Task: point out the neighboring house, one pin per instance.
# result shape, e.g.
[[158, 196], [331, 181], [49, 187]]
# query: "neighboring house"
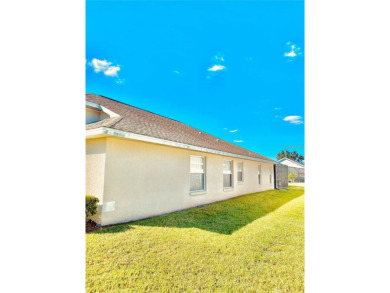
[[294, 167], [140, 164]]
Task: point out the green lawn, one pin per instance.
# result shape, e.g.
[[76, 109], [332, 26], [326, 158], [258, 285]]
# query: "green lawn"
[[253, 243]]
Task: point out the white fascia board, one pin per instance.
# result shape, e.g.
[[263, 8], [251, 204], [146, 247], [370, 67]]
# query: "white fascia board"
[[109, 112], [93, 105], [292, 161], [101, 108], [104, 131]]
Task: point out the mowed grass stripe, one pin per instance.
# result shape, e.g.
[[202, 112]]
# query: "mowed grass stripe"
[[253, 243]]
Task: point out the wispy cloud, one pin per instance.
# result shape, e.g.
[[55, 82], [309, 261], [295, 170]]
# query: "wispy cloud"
[[217, 68], [235, 130], [225, 129], [293, 119], [293, 51], [277, 108], [176, 72], [238, 141], [104, 66], [219, 57], [120, 80]]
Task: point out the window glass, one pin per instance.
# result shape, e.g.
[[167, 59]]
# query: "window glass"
[[239, 172], [197, 181], [227, 174], [197, 174]]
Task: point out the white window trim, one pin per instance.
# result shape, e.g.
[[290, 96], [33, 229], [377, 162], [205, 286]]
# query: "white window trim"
[[199, 191], [242, 172], [231, 173]]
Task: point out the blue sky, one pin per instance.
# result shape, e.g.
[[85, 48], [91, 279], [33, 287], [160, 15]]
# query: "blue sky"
[[232, 69]]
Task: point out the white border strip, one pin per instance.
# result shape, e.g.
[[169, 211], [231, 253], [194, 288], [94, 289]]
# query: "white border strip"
[[104, 131]]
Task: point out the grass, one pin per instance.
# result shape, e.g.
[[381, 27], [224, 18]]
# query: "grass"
[[253, 243]]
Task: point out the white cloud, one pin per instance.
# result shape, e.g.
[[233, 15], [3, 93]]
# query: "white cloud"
[[238, 141], [176, 71], [290, 54], [104, 66], [277, 108], [225, 128], [293, 52], [120, 80], [235, 130], [112, 71], [293, 119], [217, 68]]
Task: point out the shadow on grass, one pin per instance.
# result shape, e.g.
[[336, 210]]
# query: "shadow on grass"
[[227, 216], [114, 229], [223, 217]]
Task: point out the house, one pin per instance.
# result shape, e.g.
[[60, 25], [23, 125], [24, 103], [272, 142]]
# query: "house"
[[294, 167], [140, 164]]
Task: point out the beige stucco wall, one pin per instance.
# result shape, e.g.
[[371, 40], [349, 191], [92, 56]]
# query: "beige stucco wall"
[[95, 168], [144, 179]]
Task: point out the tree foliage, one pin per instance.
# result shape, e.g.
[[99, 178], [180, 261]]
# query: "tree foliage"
[[291, 175], [290, 155]]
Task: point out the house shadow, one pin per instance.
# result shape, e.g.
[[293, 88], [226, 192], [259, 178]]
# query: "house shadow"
[[111, 229], [227, 216]]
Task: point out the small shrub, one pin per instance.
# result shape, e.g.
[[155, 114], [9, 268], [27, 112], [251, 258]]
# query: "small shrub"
[[90, 205]]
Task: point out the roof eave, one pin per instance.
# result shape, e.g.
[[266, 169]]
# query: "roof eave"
[[105, 131], [93, 106], [291, 161]]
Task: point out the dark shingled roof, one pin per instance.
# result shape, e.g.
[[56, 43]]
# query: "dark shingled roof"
[[143, 122]]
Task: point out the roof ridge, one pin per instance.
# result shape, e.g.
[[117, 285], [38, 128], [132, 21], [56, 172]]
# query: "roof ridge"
[[166, 118], [139, 108]]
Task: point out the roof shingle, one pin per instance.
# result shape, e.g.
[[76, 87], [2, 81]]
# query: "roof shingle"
[[143, 122]]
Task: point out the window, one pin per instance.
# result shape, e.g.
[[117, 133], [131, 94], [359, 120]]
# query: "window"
[[240, 177], [227, 174], [259, 174], [197, 174]]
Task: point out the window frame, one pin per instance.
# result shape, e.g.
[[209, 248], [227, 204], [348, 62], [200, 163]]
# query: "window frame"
[[259, 174], [204, 174], [231, 174], [242, 171]]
